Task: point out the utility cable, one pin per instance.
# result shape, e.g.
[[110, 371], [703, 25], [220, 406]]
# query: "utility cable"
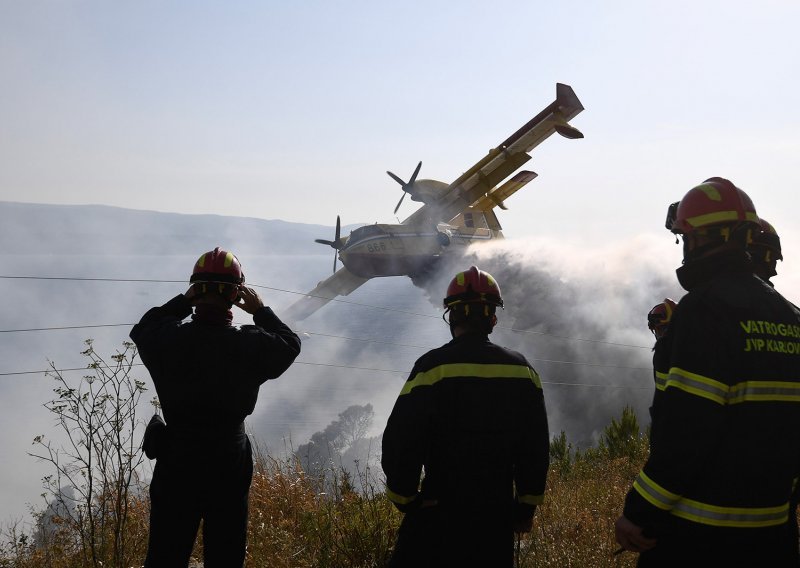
[[630, 367], [363, 340], [66, 327], [512, 329], [372, 369], [142, 364]]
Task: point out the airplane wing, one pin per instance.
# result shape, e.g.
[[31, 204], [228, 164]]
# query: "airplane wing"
[[341, 283], [502, 161], [498, 195]]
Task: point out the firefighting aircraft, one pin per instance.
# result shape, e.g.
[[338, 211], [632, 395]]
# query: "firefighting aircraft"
[[453, 216]]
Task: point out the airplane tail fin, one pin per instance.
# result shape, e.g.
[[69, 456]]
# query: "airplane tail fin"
[[567, 101]]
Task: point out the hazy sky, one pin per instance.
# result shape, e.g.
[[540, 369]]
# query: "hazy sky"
[[294, 110]]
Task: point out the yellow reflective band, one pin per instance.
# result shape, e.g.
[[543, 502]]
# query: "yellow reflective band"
[[399, 499], [745, 391], [704, 513], [713, 218], [711, 192], [531, 499], [228, 260], [201, 262], [460, 278], [762, 391], [471, 370], [740, 517], [697, 385], [661, 380], [654, 493]]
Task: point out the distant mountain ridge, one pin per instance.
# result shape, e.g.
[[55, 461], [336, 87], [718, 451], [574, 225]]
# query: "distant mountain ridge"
[[101, 229]]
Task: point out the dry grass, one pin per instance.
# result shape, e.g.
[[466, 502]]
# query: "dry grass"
[[575, 526], [294, 524]]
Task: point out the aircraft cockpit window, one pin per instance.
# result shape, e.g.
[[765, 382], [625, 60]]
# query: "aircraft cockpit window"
[[370, 230]]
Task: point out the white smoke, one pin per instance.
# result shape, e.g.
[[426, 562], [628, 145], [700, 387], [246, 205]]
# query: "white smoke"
[[579, 313], [576, 310]]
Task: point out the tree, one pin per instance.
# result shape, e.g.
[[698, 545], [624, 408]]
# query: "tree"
[[323, 454], [622, 437], [354, 423], [95, 470]]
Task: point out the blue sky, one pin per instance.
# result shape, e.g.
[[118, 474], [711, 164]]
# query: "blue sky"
[[294, 110]]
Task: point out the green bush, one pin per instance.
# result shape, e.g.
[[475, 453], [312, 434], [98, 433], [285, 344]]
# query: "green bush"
[[622, 437]]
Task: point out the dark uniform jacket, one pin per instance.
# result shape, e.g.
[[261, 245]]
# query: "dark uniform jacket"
[[207, 375], [725, 438], [472, 414]]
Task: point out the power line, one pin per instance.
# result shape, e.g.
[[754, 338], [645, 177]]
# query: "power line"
[[365, 340], [85, 279], [394, 371], [66, 327], [350, 302], [142, 364]]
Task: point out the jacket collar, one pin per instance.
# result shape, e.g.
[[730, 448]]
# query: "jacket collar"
[[471, 337], [705, 269]]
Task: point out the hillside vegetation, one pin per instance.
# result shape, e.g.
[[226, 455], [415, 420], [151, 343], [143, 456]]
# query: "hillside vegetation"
[[293, 524], [98, 508]]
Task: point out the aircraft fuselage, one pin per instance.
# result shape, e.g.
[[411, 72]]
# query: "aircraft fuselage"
[[398, 250]]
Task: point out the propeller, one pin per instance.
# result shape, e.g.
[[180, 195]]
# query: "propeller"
[[335, 244], [407, 187]]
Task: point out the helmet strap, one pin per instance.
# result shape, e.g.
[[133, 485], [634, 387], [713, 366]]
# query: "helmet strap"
[[222, 290], [703, 242], [475, 317]]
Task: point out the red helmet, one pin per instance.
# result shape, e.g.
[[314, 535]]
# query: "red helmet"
[[716, 201], [219, 267], [659, 316], [473, 286]]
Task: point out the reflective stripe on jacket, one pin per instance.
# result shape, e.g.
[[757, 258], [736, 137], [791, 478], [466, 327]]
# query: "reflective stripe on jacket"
[[726, 411], [472, 414]]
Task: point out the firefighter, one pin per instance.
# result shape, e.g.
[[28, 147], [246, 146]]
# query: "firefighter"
[[471, 414], [207, 373], [658, 317], [765, 251], [724, 450]]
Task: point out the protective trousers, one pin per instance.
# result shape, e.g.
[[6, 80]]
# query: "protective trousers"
[[196, 481], [711, 546], [444, 537]]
